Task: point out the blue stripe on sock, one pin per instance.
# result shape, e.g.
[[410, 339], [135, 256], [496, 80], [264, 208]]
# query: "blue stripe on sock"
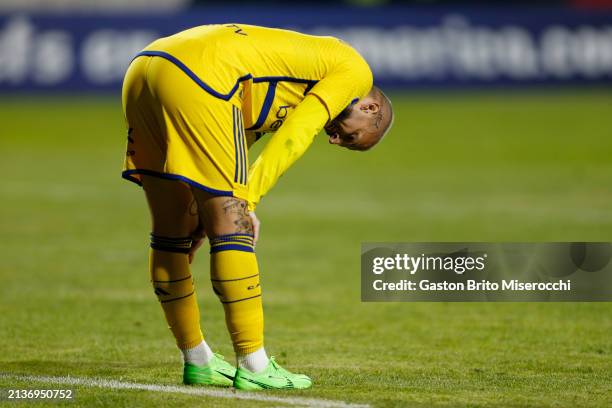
[[248, 241], [231, 247], [231, 239]]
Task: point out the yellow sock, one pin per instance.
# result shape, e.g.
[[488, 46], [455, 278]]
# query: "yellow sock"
[[173, 284], [235, 280]]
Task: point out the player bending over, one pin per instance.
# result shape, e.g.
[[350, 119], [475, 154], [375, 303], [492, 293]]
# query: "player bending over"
[[194, 103]]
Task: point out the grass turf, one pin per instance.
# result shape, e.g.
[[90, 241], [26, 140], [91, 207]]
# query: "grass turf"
[[521, 167]]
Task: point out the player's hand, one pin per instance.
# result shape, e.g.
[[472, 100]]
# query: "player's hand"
[[197, 241], [256, 225]]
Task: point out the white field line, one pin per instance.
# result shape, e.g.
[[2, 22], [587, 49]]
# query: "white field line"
[[209, 392]]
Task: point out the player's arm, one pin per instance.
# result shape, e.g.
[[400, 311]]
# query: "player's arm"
[[350, 79], [286, 146]]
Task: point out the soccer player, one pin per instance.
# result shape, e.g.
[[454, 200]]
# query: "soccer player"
[[194, 103]]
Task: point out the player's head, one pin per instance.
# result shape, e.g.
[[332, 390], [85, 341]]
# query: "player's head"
[[363, 124]]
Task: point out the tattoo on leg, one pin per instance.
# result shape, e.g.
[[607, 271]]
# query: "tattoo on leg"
[[234, 206], [243, 226], [238, 212]]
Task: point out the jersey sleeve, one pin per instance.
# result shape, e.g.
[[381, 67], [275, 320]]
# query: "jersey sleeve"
[[349, 80], [286, 146]]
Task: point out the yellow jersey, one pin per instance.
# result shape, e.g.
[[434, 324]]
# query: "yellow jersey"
[[284, 82]]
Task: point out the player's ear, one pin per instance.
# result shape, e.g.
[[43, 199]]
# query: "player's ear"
[[370, 107]]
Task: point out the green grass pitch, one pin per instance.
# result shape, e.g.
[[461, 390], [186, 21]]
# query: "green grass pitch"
[[76, 298]]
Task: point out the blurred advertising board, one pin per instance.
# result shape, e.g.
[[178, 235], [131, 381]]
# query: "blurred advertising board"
[[406, 47]]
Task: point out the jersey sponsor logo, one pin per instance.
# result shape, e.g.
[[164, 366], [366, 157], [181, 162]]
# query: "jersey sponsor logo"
[[281, 114]]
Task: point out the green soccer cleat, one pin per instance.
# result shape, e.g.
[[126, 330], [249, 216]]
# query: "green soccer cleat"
[[273, 377], [217, 372]]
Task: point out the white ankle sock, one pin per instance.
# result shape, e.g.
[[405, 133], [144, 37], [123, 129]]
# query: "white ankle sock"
[[254, 362], [198, 355]]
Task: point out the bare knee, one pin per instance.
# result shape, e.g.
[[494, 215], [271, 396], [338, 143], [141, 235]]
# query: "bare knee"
[[174, 212]]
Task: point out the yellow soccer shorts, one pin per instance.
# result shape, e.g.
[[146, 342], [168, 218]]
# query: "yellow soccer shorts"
[[179, 131]]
